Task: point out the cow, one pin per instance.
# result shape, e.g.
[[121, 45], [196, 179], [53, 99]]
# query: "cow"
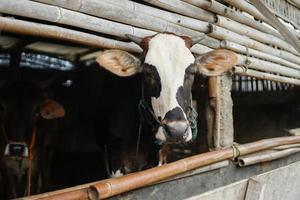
[[167, 69], [22, 105], [111, 103]]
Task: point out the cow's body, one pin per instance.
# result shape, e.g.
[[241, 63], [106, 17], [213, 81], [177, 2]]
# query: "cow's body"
[[22, 103], [112, 104]]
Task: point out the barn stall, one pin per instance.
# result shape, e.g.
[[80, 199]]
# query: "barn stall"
[[257, 100]]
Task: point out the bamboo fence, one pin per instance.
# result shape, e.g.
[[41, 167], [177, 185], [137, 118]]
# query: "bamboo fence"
[[104, 24], [114, 186]]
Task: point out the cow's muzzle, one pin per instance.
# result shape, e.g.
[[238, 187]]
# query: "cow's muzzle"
[[16, 149], [175, 131]]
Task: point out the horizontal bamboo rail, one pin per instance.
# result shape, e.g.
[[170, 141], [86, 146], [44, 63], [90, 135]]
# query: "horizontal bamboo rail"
[[207, 168], [111, 187], [216, 7], [91, 9], [56, 14], [115, 186], [50, 31], [287, 147], [265, 156], [140, 8], [258, 54], [254, 34], [55, 32], [78, 192], [274, 21], [261, 65], [295, 3], [184, 8], [250, 9], [36, 29], [266, 76], [59, 15], [111, 11], [247, 7], [225, 34]]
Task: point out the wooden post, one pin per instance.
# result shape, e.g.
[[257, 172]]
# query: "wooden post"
[[219, 112]]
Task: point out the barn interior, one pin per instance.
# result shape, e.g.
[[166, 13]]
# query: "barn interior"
[[251, 109], [262, 109]]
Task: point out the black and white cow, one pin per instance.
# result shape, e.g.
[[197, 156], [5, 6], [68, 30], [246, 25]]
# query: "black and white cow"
[[21, 106], [168, 68]]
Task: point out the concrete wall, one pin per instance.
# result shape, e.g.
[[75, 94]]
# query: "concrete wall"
[[200, 183], [278, 184]]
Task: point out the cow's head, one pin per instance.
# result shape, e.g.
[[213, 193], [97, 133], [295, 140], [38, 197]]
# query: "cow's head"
[[21, 105], [168, 68]]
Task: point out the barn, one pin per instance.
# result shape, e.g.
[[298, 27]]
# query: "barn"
[[149, 99]]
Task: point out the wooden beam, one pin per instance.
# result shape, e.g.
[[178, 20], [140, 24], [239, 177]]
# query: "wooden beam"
[[219, 112]]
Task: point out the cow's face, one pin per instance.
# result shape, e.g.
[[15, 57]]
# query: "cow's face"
[[21, 105], [168, 70]]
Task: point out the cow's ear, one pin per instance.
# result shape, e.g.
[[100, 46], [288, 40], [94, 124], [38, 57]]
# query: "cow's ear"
[[119, 62], [50, 109], [216, 62]]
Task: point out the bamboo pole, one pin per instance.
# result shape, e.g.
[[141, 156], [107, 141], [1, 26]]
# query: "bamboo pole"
[[93, 42], [296, 3], [73, 4], [109, 10], [261, 65], [56, 32], [115, 186], [247, 7], [36, 29], [184, 8], [265, 156], [287, 147], [112, 12], [224, 34], [266, 76], [59, 15], [288, 36], [136, 180], [200, 170], [140, 8], [237, 16], [200, 49], [254, 34], [250, 9], [175, 18], [71, 193], [258, 54], [80, 192], [49, 31]]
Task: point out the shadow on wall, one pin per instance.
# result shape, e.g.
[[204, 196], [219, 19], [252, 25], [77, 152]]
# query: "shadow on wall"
[[260, 115]]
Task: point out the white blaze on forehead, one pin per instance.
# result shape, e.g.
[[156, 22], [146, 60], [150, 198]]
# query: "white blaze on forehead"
[[169, 55]]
